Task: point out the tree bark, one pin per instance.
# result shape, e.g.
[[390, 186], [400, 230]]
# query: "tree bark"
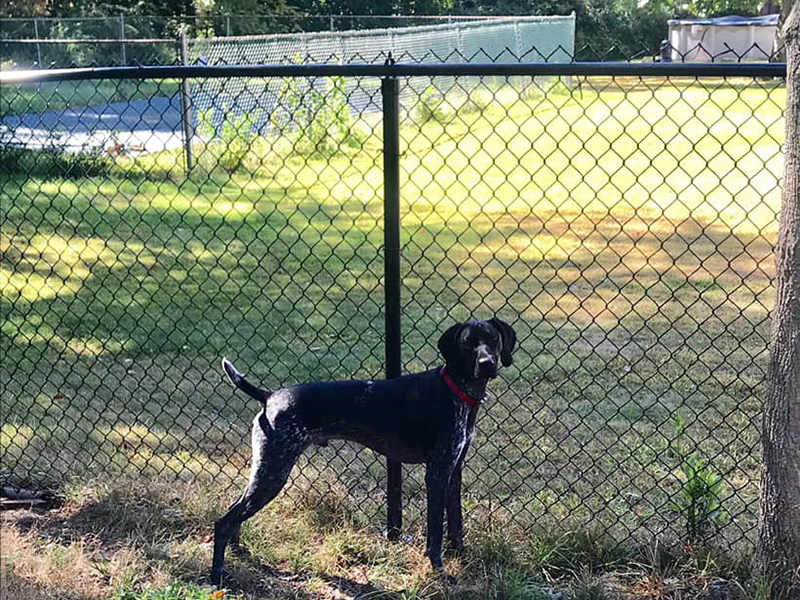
[[778, 552], [779, 51]]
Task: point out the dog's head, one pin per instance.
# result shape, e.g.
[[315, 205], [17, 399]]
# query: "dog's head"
[[473, 349]]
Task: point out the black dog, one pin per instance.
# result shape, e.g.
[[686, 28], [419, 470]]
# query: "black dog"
[[423, 418]]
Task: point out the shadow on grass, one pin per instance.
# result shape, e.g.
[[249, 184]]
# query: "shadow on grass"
[[167, 529], [22, 588]]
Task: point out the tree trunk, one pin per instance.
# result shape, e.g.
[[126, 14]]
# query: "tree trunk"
[[778, 553], [779, 52]]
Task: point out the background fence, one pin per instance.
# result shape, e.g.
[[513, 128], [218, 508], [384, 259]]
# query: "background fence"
[[234, 39], [620, 217]]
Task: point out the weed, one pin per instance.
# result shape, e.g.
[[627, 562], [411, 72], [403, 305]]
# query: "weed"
[[232, 140], [316, 114], [516, 585], [174, 591], [589, 586], [699, 502], [477, 102], [432, 107], [495, 550], [759, 588]]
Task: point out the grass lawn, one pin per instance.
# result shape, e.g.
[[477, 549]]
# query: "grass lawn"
[[624, 228]]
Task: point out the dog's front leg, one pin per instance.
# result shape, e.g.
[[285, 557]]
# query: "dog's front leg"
[[437, 479]]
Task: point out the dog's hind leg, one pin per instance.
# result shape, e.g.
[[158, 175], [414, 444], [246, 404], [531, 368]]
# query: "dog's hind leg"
[[273, 460]]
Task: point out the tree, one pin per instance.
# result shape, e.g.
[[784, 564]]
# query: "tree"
[[779, 54], [778, 552], [720, 8]]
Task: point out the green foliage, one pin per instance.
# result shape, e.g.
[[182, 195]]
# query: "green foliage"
[[432, 107], [699, 501], [54, 162], [230, 142], [315, 114], [373, 7], [174, 591], [516, 585], [717, 8]]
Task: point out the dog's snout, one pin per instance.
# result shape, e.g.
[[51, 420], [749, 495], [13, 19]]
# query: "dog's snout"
[[486, 365]]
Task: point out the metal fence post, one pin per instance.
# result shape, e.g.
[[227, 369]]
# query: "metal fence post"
[[122, 38], [38, 47], [186, 103], [391, 256]]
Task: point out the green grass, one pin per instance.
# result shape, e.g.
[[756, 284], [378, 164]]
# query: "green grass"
[[56, 96], [624, 228]]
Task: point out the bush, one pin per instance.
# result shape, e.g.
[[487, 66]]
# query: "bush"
[[232, 141], [54, 162], [432, 107], [317, 116]]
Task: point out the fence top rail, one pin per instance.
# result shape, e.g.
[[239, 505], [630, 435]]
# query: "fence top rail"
[[295, 16], [777, 69]]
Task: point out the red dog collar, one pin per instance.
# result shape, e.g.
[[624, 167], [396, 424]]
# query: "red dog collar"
[[457, 390]]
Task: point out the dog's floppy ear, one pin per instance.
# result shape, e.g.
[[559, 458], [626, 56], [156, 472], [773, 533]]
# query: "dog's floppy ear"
[[509, 340], [448, 344]]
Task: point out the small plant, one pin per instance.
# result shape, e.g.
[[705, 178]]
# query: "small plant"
[[699, 502], [174, 591], [478, 101], [317, 115], [233, 139], [432, 107], [516, 585]]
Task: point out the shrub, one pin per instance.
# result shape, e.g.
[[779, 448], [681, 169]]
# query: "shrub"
[[231, 141], [54, 162], [432, 107], [316, 116]]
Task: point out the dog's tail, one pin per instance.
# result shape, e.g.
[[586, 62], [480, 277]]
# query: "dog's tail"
[[240, 382]]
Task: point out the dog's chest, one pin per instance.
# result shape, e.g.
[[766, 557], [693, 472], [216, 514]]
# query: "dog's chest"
[[463, 429]]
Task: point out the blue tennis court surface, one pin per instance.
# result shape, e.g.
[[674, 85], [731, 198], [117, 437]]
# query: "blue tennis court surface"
[[146, 125]]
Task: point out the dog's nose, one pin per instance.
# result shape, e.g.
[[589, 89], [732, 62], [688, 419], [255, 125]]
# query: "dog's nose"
[[486, 363]]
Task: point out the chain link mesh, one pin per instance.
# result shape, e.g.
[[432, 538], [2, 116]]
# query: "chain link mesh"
[[623, 225]]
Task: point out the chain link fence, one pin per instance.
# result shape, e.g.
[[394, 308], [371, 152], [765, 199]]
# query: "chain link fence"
[[620, 217], [128, 40], [121, 40]]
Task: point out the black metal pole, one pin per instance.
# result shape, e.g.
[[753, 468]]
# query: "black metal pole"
[[391, 256], [186, 103]]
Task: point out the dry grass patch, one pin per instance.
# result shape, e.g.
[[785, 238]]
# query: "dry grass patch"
[[150, 540]]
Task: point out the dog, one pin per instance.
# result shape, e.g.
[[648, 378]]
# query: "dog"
[[425, 418]]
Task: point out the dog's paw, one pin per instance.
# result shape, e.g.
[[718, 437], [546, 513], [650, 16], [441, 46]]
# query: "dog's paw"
[[222, 578], [456, 547], [445, 577]]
